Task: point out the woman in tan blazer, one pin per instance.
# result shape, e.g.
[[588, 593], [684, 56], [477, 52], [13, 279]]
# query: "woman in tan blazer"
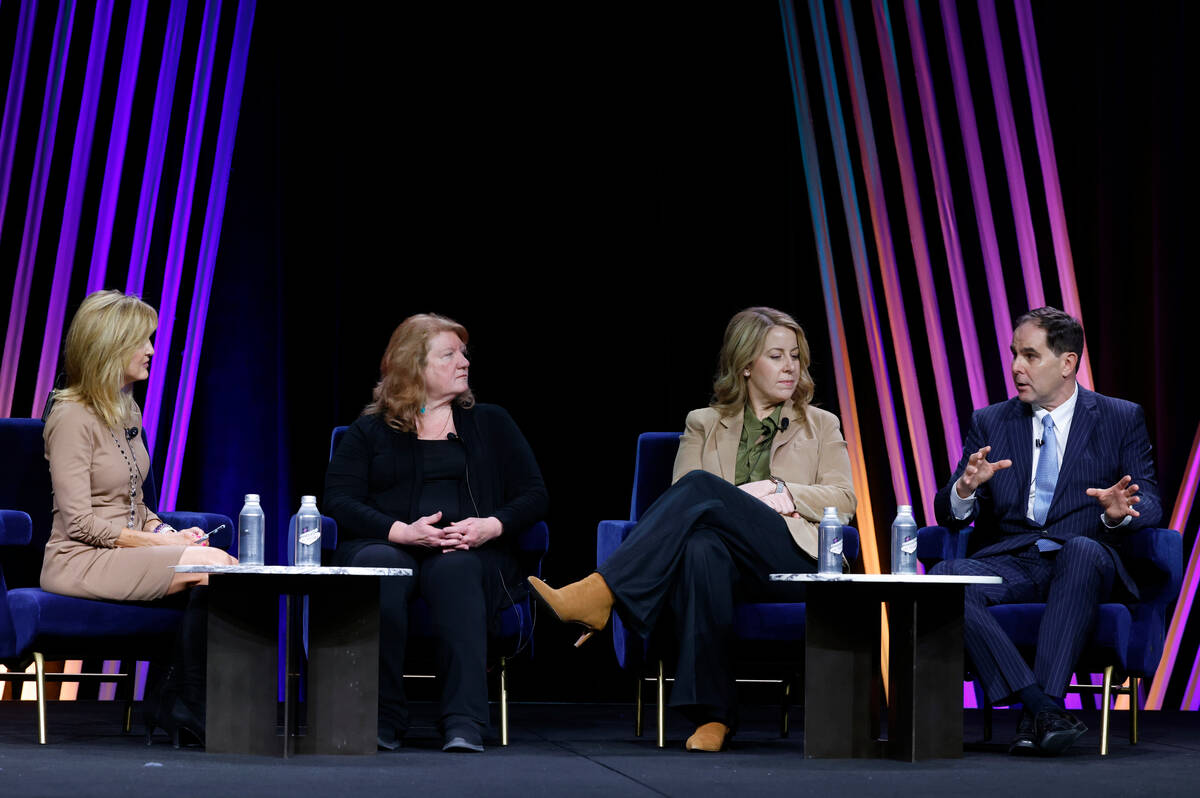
[[753, 474], [105, 543]]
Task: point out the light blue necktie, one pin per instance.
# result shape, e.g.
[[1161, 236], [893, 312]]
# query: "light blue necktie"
[[1047, 472]]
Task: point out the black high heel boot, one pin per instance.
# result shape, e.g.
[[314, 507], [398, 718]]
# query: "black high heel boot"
[[161, 692], [183, 717]]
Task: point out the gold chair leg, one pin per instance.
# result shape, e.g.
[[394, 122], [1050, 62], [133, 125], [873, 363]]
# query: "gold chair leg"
[[638, 707], [128, 725], [787, 702], [39, 669], [503, 701], [1105, 710], [1135, 695], [662, 704]]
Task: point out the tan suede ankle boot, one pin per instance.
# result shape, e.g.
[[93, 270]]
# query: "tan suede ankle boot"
[[587, 602], [708, 737]]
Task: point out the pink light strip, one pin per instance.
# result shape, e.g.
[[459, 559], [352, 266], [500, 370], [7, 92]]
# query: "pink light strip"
[[81, 156], [156, 148], [972, 357], [914, 412], [182, 217], [14, 98], [916, 232], [1011, 147], [1001, 317], [1054, 201], [847, 399], [115, 162], [51, 101], [209, 239], [1191, 696], [858, 249], [1191, 578]]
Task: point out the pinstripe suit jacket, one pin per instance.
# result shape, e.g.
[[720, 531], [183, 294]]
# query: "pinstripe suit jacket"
[[1108, 439]]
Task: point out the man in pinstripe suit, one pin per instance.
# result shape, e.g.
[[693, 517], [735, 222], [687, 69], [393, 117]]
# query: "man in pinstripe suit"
[[1053, 481]]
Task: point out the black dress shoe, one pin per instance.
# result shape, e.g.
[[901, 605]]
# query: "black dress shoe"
[[1056, 730], [1025, 741]]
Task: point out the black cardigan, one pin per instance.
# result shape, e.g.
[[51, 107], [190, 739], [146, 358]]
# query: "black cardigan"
[[374, 478]]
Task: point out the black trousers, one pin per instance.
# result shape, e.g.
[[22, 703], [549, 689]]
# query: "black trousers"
[[465, 591], [702, 545], [1072, 582]]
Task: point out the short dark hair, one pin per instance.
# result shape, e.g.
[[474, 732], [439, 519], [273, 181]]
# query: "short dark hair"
[[1064, 333]]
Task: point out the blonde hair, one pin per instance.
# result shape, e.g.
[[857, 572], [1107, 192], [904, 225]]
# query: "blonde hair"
[[399, 395], [744, 341], [108, 330]]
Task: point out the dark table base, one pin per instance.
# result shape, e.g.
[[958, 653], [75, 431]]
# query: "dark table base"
[[925, 671], [243, 664]]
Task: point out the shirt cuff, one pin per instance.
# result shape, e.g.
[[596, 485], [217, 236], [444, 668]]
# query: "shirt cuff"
[[1104, 520], [960, 507]]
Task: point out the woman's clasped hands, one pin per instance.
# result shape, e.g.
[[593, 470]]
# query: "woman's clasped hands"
[[469, 533]]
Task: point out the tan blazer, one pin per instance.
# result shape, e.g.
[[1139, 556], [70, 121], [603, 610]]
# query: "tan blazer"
[[809, 455]]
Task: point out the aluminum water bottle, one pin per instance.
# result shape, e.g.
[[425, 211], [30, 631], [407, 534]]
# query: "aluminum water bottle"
[[904, 541], [307, 542], [829, 543], [251, 523]]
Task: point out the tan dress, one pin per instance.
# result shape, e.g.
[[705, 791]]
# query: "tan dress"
[[90, 479]]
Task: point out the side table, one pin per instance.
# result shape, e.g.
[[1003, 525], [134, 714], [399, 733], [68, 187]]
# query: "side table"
[[243, 657]]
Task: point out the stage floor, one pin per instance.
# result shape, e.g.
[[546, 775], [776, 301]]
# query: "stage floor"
[[581, 750]]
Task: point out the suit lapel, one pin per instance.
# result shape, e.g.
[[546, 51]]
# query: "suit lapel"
[[728, 436], [784, 437], [1020, 444], [1082, 424]]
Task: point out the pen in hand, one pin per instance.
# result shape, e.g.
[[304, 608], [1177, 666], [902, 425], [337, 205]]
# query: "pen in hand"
[[209, 534]]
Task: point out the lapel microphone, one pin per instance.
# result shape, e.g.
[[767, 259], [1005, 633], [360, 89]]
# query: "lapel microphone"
[[131, 433], [784, 425], [1038, 442]]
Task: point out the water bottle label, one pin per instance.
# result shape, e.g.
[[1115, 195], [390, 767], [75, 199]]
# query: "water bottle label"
[[909, 546], [835, 547], [310, 537]]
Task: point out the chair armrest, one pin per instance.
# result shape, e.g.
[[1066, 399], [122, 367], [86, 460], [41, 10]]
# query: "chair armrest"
[[329, 534], [937, 543], [609, 535], [850, 543], [16, 528], [535, 539], [1154, 557], [225, 539]]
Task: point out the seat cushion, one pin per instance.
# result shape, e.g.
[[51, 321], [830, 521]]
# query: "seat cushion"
[[53, 624]]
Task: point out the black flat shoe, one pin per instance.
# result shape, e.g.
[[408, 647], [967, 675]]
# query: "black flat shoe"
[[463, 739], [389, 739], [1057, 730], [1024, 743]]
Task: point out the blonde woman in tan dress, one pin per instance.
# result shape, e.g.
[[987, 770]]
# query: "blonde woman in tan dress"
[[105, 543]]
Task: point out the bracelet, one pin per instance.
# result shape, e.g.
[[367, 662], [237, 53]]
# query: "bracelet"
[[163, 527]]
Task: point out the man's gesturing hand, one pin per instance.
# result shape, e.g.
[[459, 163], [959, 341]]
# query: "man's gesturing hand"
[[978, 471]]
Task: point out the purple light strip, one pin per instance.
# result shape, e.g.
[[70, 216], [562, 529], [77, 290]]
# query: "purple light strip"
[[847, 400], [181, 219], [13, 99], [156, 148], [1001, 318], [1054, 201], [1191, 695], [36, 203], [972, 357], [916, 231], [858, 249], [1013, 168], [1191, 578], [910, 389], [209, 240], [81, 155], [117, 140]]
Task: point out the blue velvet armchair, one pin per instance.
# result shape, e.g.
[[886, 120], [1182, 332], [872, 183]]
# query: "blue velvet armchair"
[[1128, 639], [757, 625], [516, 621], [36, 626]]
